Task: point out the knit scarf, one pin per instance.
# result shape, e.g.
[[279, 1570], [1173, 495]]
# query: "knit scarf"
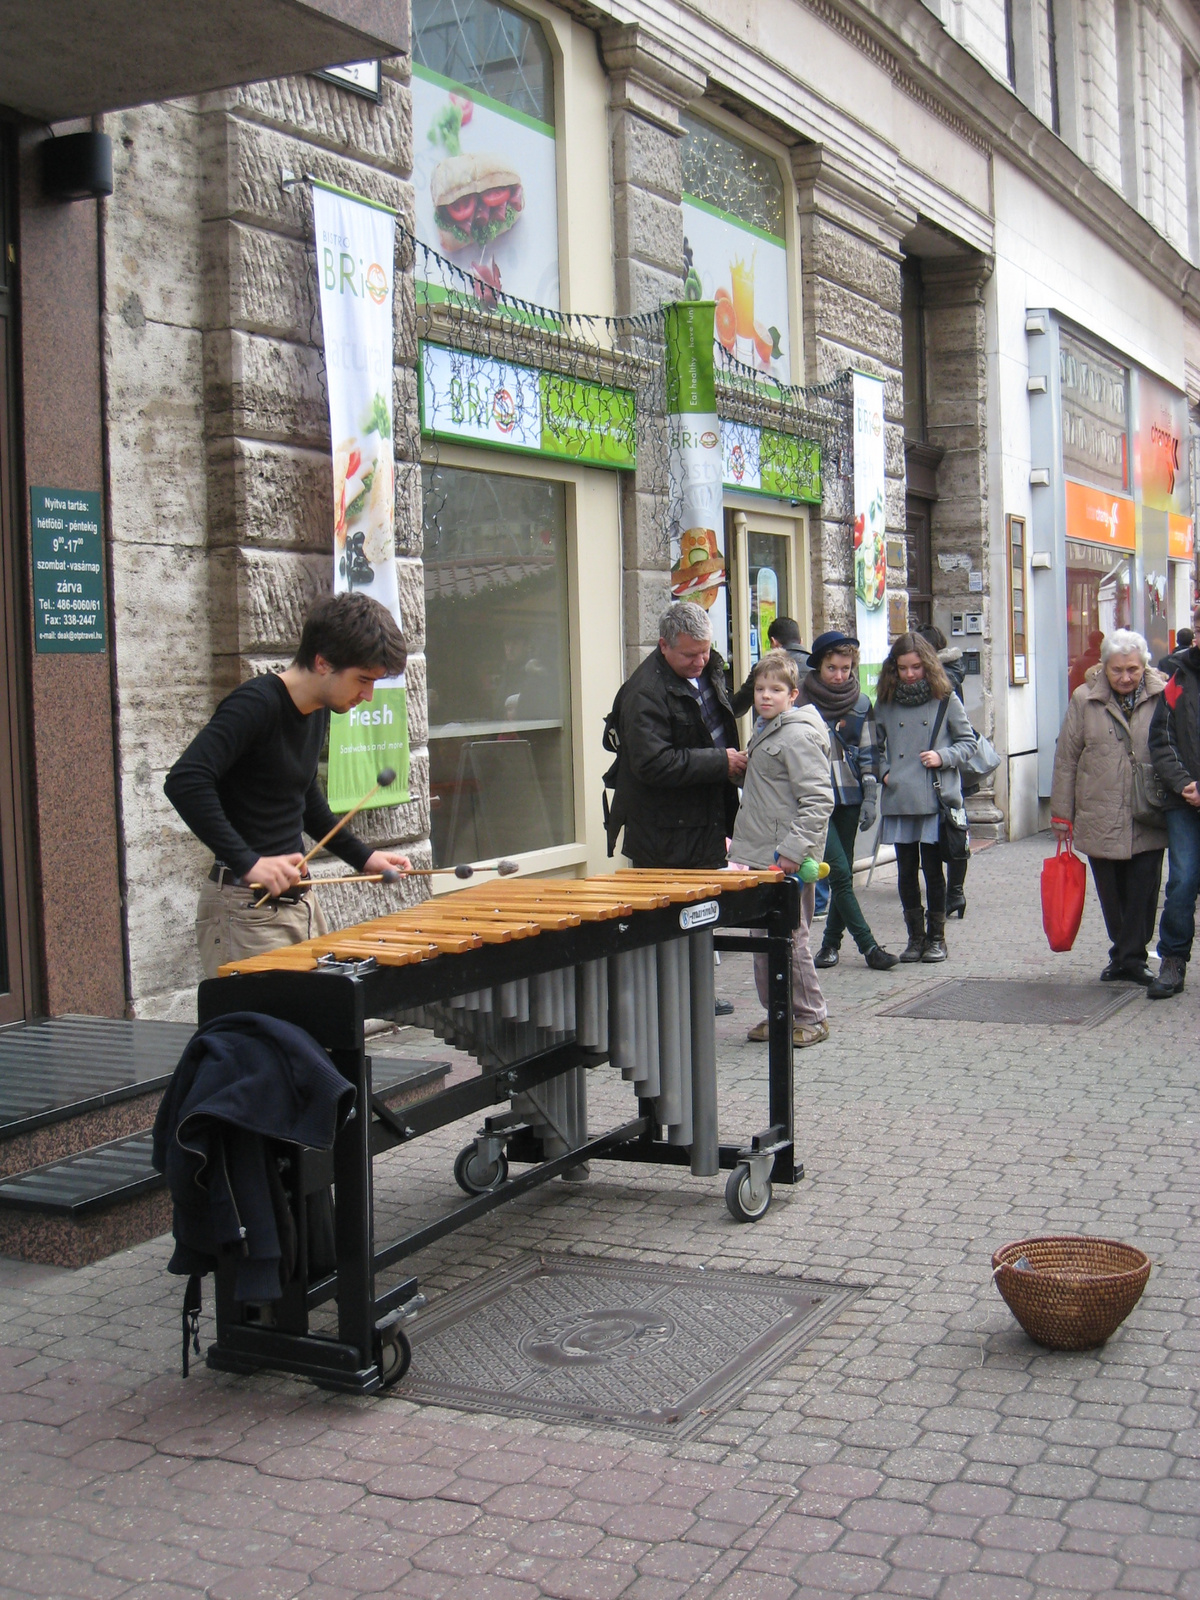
[[831, 700], [912, 694]]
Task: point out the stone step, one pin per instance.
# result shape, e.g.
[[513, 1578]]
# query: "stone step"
[[70, 1083], [84, 1206]]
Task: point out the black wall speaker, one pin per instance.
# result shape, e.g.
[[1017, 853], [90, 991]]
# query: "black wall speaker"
[[78, 166]]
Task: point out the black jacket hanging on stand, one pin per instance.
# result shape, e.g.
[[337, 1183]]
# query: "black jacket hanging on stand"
[[244, 1083]]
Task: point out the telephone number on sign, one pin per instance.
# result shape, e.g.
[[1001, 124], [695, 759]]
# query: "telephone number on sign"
[[90, 606]]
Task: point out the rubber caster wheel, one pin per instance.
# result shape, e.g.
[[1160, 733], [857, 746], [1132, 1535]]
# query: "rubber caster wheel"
[[475, 1176], [742, 1206], [394, 1357]]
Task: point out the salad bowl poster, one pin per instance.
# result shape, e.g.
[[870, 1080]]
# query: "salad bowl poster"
[[870, 525], [697, 523], [743, 270], [485, 177], [355, 242]]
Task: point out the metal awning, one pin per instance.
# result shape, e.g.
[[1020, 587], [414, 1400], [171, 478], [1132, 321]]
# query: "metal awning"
[[74, 58]]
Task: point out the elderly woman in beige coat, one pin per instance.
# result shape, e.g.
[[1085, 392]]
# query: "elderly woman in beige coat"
[[1105, 733]]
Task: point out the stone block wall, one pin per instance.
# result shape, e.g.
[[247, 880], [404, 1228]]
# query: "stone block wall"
[[219, 467], [649, 85], [850, 293]]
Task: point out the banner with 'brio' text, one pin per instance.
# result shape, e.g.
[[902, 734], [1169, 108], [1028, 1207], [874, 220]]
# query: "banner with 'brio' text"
[[695, 464], [355, 241]]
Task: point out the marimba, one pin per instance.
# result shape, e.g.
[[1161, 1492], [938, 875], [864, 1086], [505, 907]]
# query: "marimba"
[[540, 981]]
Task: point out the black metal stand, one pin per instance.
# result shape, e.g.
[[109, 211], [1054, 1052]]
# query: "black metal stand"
[[369, 1350]]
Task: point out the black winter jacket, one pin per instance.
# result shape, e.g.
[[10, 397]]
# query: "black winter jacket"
[[673, 794], [244, 1082], [1175, 729]]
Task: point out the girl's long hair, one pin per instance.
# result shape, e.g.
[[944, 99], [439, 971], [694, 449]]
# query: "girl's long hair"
[[912, 644]]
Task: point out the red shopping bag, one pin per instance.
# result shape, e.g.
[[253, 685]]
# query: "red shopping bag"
[[1064, 880]]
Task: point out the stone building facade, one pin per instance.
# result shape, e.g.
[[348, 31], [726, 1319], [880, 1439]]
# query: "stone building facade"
[[950, 173]]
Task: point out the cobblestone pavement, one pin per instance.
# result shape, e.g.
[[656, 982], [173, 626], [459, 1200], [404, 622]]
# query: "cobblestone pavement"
[[919, 1446]]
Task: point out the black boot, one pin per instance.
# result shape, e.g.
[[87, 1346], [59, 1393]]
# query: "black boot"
[[914, 921], [1171, 973], [826, 956], [935, 940], [879, 959], [956, 876]]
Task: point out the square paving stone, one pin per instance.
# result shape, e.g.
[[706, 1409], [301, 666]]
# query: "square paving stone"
[[658, 1350]]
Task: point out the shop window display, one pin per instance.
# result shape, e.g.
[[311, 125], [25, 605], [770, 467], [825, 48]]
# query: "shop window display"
[[1098, 601], [484, 162], [495, 550], [735, 248]]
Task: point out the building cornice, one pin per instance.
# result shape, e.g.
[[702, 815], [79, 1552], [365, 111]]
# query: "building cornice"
[[907, 42], [944, 72]]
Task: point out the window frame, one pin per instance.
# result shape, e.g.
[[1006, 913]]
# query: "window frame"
[[706, 110], [1013, 521], [595, 652]]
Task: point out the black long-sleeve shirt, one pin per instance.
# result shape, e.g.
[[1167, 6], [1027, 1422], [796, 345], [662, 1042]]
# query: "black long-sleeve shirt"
[[247, 784]]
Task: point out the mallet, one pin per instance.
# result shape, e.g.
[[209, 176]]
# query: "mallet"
[[390, 876], [383, 780]]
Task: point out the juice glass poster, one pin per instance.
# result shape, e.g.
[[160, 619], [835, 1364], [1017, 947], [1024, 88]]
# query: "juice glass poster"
[[485, 179], [743, 270]]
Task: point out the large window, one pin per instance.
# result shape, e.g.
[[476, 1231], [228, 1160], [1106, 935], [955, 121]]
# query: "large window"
[[735, 247], [484, 163], [498, 667]]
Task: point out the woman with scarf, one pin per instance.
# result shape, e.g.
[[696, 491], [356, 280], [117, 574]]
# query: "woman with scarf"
[[924, 732], [1092, 798], [831, 687]]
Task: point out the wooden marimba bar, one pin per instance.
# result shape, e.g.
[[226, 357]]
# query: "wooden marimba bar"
[[541, 981]]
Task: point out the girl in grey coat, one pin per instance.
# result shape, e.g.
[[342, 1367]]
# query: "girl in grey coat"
[[913, 687]]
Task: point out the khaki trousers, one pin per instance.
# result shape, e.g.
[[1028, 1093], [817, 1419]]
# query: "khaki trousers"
[[229, 928], [808, 1003]]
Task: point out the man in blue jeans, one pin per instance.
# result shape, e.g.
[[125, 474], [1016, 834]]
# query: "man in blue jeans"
[[1175, 751]]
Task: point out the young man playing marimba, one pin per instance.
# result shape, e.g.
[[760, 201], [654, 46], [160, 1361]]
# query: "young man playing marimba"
[[247, 784]]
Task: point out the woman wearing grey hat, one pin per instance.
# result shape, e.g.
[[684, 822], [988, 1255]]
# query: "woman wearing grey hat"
[[926, 739], [831, 687]]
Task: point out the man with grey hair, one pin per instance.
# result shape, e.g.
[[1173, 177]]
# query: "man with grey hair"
[[673, 731]]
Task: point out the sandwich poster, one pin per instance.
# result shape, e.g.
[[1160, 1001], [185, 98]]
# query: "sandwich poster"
[[355, 242], [743, 270], [486, 178], [870, 524], [696, 515]]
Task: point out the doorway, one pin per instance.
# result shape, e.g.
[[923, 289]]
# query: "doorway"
[[15, 955], [768, 578]]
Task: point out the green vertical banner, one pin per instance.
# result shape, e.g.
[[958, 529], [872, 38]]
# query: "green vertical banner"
[[696, 466], [355, 263]]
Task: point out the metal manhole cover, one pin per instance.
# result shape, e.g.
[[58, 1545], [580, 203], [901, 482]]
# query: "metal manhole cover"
[[1014, 1000], [655, 1350]]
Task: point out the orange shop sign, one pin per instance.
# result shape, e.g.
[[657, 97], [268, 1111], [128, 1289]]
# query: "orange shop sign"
[[1181, 537], [1098, 517]]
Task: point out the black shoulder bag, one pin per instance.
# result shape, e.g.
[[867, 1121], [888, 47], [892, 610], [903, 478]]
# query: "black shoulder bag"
[[953, 838]]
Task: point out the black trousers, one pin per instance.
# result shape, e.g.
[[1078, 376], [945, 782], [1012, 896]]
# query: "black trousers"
[[1128, 895], [928, 858]]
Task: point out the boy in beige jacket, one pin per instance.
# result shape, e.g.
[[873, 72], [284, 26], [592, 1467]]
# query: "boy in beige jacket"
[[787, 799]]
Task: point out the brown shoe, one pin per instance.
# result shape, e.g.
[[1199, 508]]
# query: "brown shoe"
[[760, 1032], [804, 1034]]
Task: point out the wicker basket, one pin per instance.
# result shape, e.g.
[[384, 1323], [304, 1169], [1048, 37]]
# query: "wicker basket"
[[1076, 1291]]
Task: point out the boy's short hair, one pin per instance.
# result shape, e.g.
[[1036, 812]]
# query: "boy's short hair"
[[352, 630], [780, 665]]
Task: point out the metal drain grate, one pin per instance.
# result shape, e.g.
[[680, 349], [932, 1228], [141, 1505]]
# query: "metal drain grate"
[[655, 1350], [1008, 1001]]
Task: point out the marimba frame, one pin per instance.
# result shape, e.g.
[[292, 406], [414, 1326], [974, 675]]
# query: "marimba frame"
[[370, 1350]]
